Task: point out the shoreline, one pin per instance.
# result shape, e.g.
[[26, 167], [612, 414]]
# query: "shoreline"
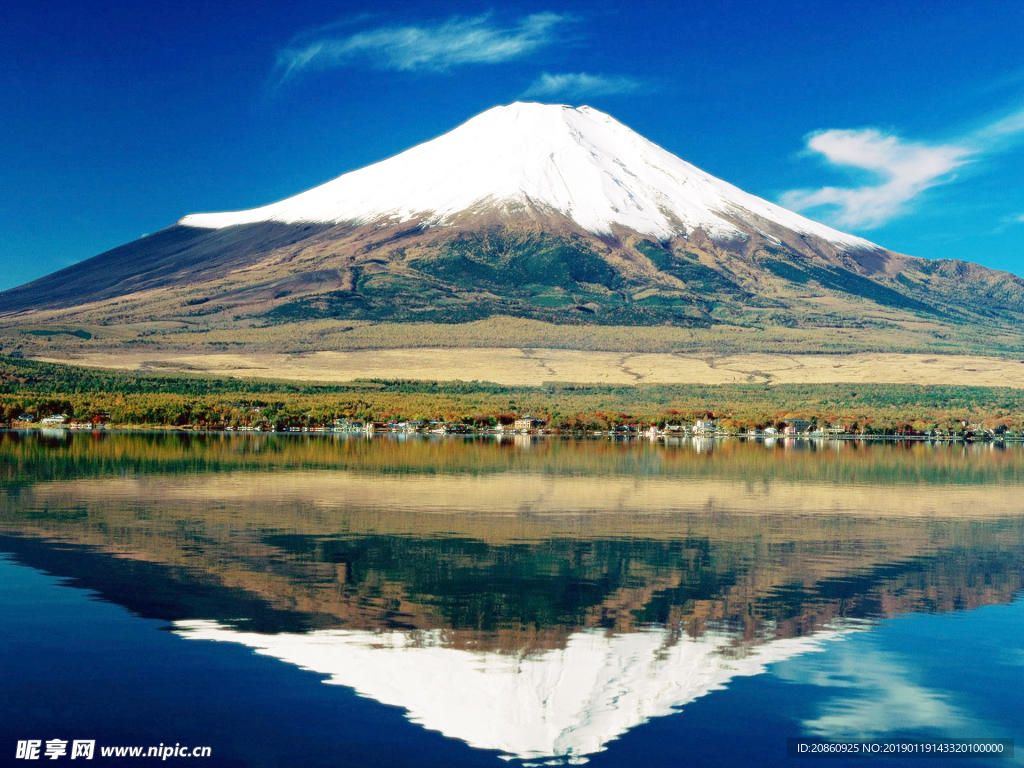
[[534, 435]]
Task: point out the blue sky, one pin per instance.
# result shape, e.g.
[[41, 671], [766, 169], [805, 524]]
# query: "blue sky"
[[902, 122]]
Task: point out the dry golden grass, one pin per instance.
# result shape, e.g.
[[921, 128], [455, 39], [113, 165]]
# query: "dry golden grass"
[[516, 366]]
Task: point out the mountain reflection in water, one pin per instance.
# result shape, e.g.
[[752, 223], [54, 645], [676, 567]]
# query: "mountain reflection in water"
[[567, 702], [539, 602]]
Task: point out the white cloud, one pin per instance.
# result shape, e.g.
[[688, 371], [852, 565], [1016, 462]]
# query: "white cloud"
[[580, 85], [902, 170], [905, 170], [434, 47]]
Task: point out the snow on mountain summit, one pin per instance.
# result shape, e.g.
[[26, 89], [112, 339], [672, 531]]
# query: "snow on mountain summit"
[[578, 162]]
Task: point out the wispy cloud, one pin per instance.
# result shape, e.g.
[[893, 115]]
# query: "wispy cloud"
[[345, 22], [906, 169], [1008, 126], [902, 170], [580, 85], [1006, 222], [434, 47]]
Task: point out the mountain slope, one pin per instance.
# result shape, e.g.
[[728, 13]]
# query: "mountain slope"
[[531, 211], [174, 256]]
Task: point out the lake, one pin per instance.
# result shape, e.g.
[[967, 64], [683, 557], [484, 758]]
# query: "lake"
[[323, 600]]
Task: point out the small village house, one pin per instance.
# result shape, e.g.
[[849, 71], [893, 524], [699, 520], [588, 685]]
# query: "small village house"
[[705, 427], [527, 424]]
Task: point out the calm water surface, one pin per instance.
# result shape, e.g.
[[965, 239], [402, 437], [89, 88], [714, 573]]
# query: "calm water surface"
[[323, 601]]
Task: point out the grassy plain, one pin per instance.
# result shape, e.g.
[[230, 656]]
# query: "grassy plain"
[[519, 366]]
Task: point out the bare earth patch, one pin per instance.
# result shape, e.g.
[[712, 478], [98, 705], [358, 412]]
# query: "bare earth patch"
[[513, 366]]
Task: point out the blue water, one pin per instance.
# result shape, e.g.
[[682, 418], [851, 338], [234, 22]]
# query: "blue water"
[[79, 668], [900, 627]]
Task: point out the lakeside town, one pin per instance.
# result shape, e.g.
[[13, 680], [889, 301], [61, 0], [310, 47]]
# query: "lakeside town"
[[791, 428]]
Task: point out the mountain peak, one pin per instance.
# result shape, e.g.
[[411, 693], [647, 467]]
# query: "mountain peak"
[[576, 162]]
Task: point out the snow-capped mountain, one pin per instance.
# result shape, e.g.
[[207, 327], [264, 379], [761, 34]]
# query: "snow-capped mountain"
[[528, 211], [578, 162]]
